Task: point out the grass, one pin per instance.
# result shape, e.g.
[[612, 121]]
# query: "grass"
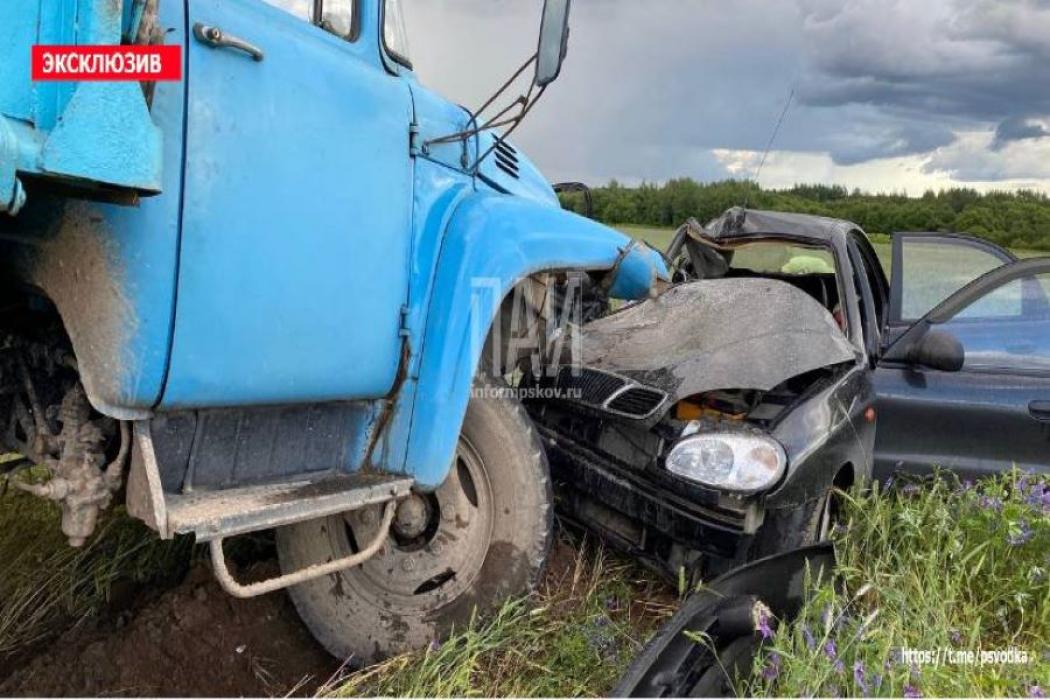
[[935, 567], [573, 638], [939, 569], [655, 236], [46, 585], [939, 566]]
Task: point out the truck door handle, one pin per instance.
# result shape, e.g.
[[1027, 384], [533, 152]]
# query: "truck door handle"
[[1040, 410], [218, 39]]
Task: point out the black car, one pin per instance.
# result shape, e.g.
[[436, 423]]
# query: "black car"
[[711, 424]]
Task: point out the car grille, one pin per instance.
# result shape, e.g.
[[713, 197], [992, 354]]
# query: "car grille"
[[637, 401], [608, 392]]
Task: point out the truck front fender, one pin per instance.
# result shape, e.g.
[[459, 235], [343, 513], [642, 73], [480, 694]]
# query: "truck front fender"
[[492, 242]]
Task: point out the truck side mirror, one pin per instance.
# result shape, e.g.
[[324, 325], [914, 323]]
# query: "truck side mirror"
[[938, 350], [554, 41]]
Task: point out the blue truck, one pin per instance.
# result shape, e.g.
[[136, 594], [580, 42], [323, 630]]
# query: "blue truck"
[[257, 297]]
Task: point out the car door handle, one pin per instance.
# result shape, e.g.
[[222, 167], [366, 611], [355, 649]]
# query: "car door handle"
[[218, 39], [1040, 410]]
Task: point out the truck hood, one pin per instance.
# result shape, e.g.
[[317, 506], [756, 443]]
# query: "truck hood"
[[509, 170], [744, 333]]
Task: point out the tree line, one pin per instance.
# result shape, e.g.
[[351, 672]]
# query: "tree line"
[[1017, 219]]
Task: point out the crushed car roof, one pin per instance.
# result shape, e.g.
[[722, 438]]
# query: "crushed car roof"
[[741, 222]]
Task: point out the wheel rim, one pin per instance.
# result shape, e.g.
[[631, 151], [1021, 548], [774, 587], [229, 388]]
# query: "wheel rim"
[[414, 573]]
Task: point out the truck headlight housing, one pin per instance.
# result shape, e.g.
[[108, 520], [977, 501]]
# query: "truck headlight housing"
[[728, 461]]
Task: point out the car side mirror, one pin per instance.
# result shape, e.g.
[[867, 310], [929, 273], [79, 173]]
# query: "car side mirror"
[[554, 41], [938, 350]]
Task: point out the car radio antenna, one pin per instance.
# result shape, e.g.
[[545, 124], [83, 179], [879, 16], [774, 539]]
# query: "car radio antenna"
[[769, 145]]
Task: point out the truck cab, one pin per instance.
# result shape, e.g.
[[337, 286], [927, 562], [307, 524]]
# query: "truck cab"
[[256, 297]]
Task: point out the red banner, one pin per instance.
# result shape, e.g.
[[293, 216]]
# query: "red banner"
[[107, 63]]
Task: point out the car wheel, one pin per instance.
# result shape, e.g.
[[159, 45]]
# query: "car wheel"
[[481, 537]]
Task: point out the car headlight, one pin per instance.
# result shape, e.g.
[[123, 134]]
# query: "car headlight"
[[733, 462]]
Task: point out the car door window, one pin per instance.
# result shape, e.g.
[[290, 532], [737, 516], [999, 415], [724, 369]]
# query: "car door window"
[[1007, 329], [927, 269]]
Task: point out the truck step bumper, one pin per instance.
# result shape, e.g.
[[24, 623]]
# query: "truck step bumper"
[[214, 514], [211, 515]]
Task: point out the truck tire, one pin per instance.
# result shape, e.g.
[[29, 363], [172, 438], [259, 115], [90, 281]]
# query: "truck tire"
[[481, 537]]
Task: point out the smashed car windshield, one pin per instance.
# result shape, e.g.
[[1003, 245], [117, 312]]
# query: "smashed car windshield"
[[782, 258]]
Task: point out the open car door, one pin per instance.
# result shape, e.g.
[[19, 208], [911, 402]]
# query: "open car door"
[[967, 386]]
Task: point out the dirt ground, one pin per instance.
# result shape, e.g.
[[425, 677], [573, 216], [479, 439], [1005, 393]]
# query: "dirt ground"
[[193, 640]]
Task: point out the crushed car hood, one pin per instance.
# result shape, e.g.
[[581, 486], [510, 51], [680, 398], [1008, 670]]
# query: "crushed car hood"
[[742, 333]]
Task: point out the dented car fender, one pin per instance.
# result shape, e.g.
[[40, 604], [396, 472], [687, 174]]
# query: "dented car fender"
[[829, 437], [492, 242]]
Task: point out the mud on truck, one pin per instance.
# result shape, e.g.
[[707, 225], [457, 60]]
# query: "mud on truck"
[[248, 300]]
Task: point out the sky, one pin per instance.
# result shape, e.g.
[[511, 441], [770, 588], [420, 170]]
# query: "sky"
[[884, 95]]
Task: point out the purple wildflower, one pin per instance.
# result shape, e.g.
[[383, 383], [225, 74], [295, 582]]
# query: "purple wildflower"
[[839, 666], [763, 625], [876, 681], [1034, 691], [955, 636], [1021, 536], [910, 691], [811, 643], [434, 645], [990, 503], [772, 667], [858, 676], [830, 650]]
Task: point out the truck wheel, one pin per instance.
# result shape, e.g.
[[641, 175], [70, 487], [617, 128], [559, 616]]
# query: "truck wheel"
[[481, 537]]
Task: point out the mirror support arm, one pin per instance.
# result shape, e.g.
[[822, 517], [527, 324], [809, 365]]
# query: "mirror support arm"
[[523, 101]]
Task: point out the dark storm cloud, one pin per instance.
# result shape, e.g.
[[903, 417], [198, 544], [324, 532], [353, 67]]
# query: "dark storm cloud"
[[948, 65], [650, 89], [1017, 129]]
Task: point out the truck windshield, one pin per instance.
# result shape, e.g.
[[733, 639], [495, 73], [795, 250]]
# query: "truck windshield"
[[395, 38]]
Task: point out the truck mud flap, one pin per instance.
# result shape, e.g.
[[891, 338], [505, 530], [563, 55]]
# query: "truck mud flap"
[[726, 612]]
